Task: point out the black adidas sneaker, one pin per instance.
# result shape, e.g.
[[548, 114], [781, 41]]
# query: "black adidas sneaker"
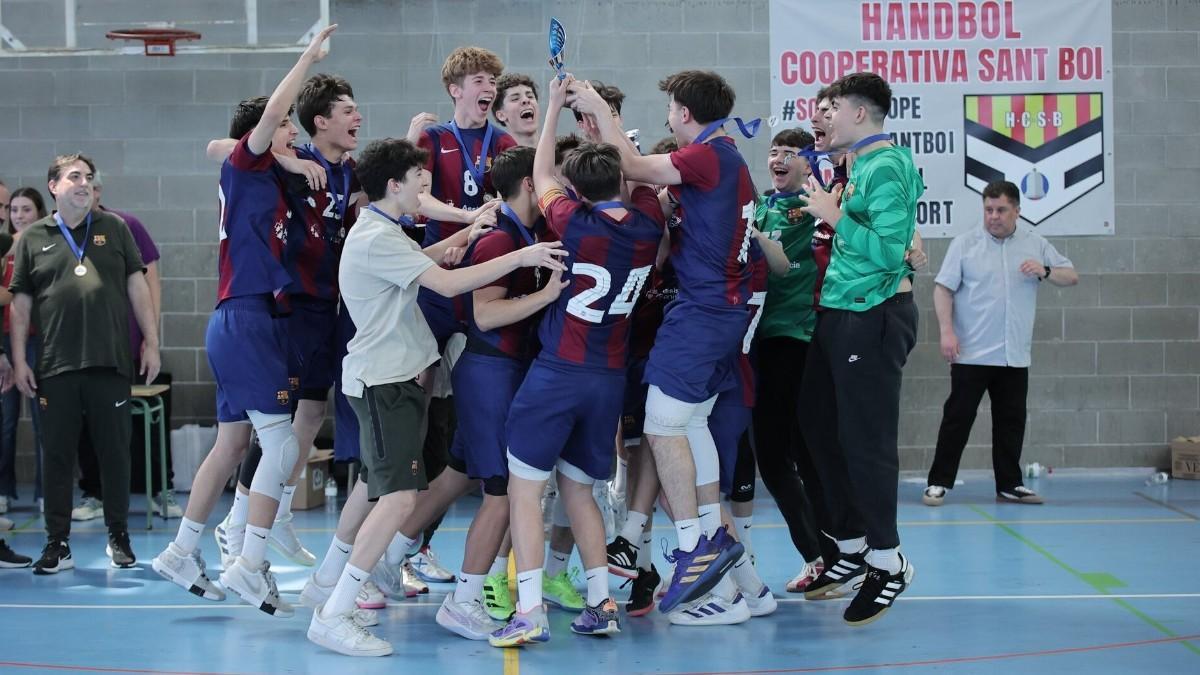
[[829, 585], [878, 592]]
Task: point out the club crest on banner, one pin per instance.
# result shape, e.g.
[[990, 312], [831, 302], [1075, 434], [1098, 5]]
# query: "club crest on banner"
[[1050, 145]]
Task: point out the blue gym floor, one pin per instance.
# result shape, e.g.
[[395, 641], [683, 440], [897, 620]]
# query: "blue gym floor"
[[1100, 579]]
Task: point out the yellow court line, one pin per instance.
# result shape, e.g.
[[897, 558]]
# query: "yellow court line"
[[512, 661]]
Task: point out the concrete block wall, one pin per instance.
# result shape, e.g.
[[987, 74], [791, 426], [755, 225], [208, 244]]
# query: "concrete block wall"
[[1116, 368]]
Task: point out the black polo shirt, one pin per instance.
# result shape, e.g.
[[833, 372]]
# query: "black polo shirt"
[[83, 320]]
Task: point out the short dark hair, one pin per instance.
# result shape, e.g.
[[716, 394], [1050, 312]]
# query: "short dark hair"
[[793, 138], [563, 146], [611, 94], [510, 168], [247, 115], [665, 146], [62, 161], [317, 97], [823, 93], [508, 81], [867, 88], [594, 170], [706, 95], [384, 160], [1002, 188], [33, 195]]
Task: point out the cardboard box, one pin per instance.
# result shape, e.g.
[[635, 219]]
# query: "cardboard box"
[[1185, 458], [310, 491]]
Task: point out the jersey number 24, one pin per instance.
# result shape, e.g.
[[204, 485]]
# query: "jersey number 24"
[[581, 305]]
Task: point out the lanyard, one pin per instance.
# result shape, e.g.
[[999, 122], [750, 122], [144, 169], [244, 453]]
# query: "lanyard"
[[771, 199], [869, 140], [512, 215], [476, 168], [402, 221], [748, 130], [339, 200], [814, 156], [76, 249]]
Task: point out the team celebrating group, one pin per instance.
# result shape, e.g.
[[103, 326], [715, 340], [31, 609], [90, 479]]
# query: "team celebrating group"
[[593, 311]]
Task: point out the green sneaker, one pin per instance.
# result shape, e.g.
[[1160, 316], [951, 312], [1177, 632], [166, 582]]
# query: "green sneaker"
[[496, 598], [559, 590]]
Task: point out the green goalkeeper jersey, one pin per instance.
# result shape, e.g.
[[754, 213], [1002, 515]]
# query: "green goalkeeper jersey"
[[789, 310]]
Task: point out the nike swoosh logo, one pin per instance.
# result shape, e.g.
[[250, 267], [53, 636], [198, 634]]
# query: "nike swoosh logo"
[[47, 248], [521, 581], [356, 579], [194, 530], [686, 527], [446, 151], [258, 535], [118, 405], [344, 550]]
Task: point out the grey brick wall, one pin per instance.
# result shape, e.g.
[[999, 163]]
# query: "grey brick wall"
[[1116, 367]]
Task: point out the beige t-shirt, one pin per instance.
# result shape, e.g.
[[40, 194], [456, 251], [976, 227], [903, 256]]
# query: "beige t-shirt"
[[378, 280]]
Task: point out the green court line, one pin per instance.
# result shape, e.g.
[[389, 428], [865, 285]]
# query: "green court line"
[[1099, 581]]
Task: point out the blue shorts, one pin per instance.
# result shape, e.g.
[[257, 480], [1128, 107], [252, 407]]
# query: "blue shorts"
[[345, 422], [247, 351], [564, 411], [729, 420], [312, 329], [444, 315], [694, 349], [484, 387], [633, 416]]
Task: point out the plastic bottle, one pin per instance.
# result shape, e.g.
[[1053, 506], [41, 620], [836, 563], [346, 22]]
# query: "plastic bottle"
[[331, 493], [1159, 478], [1033, 470]]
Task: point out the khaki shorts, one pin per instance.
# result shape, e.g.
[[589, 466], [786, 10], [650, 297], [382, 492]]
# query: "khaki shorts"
[[390, 419]]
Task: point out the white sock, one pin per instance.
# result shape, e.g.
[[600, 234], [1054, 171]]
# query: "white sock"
[[742, 525], [188, 536], [398, 549], [348, 586], [886, 559], [499, 566], [688, 532], [746, 577], [470, 587], [241, 508], [335, 560], [285, 502], [710, 519], [620, 480], [597, 585], [556, 562], [634, 524], [645, 557], [849, 546], [529, 590], [254, 548]]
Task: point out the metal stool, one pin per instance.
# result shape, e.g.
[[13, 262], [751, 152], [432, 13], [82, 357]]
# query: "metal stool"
[[146, 400]]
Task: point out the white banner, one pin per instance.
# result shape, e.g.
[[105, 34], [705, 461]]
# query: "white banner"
[[983, 90]]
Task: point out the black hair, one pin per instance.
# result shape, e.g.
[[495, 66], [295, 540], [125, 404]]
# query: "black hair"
[[510, 168], [594, 169], [381, 161]]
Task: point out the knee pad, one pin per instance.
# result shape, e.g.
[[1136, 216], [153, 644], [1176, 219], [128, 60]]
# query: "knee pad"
[[665, 415], [279, 453], [704, 448], [569, 470], [496, 486], [522, 470]]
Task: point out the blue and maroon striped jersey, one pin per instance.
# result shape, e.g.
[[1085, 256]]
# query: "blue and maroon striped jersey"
[[711, 246], [609, 260], [744, 370], [315, 246], [253, 226], [453, 182], [517, 340]]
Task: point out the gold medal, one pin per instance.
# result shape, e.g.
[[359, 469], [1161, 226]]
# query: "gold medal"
[[80, 270]]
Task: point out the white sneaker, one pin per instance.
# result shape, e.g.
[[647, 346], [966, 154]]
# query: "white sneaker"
[[3, 505], [284, 540], [934, 495], [186, 571], [413, 586], [711, 610], [173, 508], [763, 603], [89, 508], [468, 619], [229, 541], [5, 524], [343, 635], [314, 595], [370, 597], [388, 581], [807, 575], [425, 564], [256, 587]]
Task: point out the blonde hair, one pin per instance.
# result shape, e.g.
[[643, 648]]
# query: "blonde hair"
[[465, 61]]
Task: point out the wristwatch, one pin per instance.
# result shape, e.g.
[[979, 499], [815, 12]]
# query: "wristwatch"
[[1047, 276]]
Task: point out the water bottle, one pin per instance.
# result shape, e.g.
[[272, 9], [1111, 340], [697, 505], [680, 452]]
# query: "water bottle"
[[1159, 478], [331, 493], [1033, 470]]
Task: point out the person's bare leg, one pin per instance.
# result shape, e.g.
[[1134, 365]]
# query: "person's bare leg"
[[233, 438], [528, 537]]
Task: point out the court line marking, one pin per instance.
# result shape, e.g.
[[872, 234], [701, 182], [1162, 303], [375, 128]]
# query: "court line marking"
[[959, 659], [1165, 505], [1089, 580], [93, 669]]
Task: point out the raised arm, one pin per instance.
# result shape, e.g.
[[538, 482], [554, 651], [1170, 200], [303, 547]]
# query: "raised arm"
[[652, 169], [286, 92]]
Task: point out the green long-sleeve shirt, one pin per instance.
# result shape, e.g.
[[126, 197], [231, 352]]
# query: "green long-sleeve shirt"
[[789, 311]]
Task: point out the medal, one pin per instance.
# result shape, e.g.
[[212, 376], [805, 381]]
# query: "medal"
[[80, 270]]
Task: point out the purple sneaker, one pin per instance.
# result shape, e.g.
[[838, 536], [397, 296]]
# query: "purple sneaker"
[[522, 629], [602, 619], [699, 570]]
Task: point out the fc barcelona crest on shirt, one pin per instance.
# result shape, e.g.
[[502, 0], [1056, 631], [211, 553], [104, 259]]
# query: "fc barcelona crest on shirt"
[[99, 239], [1050, 145], [283, 397]]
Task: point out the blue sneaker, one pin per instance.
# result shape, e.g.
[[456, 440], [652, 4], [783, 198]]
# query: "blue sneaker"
[[699, 570], [522, 629], [602, 619]]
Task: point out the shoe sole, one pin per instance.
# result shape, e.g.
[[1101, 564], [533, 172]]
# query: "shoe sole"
[[15, 566], [622, 572], [457, 628], [832, 591], [308, 560], [433, 578], [370, 605], [1026, 501], [908, 577], [319, 639], [263, 607], [709, 578], [731, 618], [169, 574], [118, 566], [553, 602], [642, 611], [767, 609], [519, 642], [929, 501], [611, 628], [63, 566]]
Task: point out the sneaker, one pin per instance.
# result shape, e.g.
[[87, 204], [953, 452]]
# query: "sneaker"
[[89, 508], [934, 495], [602, 619], [119, 550], [1019, 495], [370, 596], [174, 510], [6, 524], [807, 575], [522, 629], [712, 610], [838, 580], [641, 596], [10, 559], [3, 505], [496, 598], [344, 635], [468, 619], [425, 564], [256, 587], [284, 540], [622, 558], [413, 586], [662, 587], [559, 590], [388, 580], [761, 603], [229, 541], [699, 570], [877, 594], [56, 557], [186, 570], [314, 595]]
